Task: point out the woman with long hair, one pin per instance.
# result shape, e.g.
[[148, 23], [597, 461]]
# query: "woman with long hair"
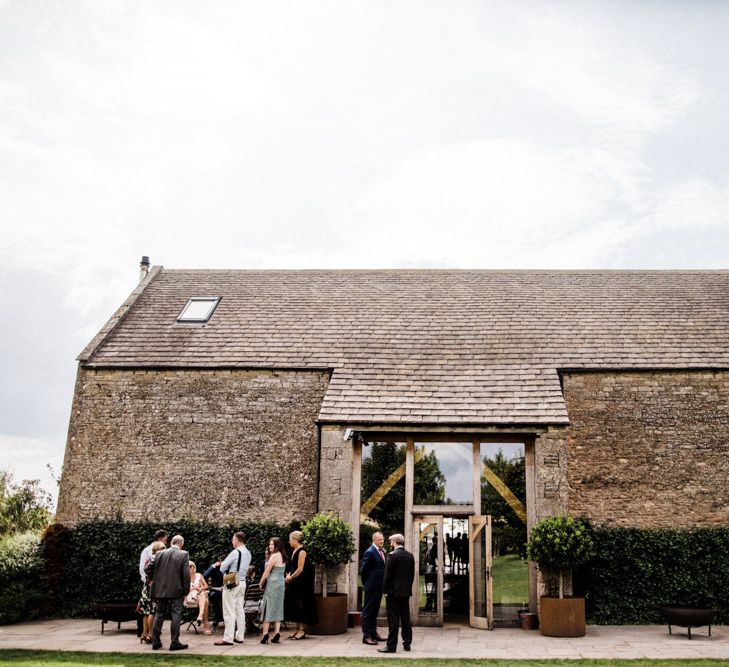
[[273, 596]]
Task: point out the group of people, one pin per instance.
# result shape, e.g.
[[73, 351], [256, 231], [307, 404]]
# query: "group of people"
[[390, 574], [457, 548], [170, 582]]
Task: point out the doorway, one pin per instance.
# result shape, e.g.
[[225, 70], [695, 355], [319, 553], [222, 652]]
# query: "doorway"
[[461, 504]]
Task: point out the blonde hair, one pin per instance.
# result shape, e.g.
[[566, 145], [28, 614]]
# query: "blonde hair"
[[158, 546], [192, 564], [297, 535]]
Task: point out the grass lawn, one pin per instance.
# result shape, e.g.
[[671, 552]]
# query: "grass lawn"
[[511, 580], [66, 659]]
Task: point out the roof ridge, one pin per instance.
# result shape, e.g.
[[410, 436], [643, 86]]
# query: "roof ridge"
[[461, 270], [116, 319]]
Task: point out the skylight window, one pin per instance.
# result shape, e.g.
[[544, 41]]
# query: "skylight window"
[[198, 309]]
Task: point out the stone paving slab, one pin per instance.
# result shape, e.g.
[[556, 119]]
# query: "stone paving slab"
[[601, 641]]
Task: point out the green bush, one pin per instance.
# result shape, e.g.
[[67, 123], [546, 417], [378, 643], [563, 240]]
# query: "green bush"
[[329, 542], [99, 560], [560, 543], [635, 571], [21, 567]]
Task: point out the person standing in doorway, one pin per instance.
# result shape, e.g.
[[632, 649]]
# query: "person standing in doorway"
[[170, 575], [373, 572], [398, 587], [234, 594]]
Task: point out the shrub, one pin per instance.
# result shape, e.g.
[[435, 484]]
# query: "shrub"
[[21, 585], [636, 570], [561, 543], [329, 541], [100, 559]]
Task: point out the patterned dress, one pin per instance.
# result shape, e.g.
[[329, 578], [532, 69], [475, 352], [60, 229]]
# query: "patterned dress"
[[273, 597], [146, 606]]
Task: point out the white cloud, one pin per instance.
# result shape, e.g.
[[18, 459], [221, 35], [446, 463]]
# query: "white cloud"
[[500, 203], [695, 204], [580, 61]]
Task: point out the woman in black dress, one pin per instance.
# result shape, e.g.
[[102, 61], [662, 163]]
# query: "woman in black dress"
[[299, 606]]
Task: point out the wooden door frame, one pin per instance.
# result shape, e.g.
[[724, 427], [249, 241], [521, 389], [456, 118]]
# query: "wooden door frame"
[[419, 618], [477, 524]]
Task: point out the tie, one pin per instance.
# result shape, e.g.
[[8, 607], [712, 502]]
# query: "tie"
[[381, 554]]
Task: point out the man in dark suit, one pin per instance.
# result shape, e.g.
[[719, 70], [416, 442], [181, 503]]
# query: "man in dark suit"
[[398, 587], [170, 575], [373, 572]]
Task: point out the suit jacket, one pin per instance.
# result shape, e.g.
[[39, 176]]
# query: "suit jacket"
[[372, 570], [170, 574], [399, 573]]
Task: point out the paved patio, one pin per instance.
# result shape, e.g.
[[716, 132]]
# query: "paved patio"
[[447, 642]]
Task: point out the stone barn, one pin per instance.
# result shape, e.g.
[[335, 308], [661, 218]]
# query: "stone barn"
[[458, 407]]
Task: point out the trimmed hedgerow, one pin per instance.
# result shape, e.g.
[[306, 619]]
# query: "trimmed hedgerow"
[[635, 571], [99, 560]]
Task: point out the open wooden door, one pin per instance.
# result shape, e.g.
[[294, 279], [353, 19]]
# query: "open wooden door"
[[427, 602], [479, 575]]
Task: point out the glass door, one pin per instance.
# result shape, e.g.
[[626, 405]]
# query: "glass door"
[[480, 573], [428, 552]]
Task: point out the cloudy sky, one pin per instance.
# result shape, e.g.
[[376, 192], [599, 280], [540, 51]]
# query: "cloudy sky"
[[338, 134]]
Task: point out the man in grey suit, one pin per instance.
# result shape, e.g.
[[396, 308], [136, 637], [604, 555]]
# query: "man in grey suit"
[[170, 576]]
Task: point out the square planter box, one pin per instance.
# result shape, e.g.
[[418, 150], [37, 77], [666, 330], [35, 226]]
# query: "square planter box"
[[562, 617]]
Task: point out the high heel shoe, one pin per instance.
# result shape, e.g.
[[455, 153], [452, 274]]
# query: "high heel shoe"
[[276, 638], [264, 639]]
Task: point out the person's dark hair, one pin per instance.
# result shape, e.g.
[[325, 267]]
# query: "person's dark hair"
[[160, 536], [278, 547], [240, 536]]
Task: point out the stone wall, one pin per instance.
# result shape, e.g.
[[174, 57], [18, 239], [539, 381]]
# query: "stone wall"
[[335, 493], [216, 445], [648, 449]]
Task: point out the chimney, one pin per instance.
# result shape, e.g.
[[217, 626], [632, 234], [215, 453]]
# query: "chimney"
[[143, 268]]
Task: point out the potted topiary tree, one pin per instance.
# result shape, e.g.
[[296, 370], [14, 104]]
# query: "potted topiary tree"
[[329, 543], [558, 544]]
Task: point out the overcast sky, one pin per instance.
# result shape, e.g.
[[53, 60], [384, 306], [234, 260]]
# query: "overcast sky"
[[337, 135]]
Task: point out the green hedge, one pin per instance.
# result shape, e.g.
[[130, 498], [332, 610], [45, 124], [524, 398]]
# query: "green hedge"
[[633, 573], [636, 571], [21, 567], [99, 560]]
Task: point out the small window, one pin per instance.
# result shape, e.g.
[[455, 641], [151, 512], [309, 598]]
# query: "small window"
[[198, 309]]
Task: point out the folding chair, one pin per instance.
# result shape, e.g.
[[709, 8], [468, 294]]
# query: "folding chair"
[[189, 617], [252, 606]]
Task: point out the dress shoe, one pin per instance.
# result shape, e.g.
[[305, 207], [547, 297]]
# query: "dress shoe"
[[238, 641], [378, 638], [222, 642], [178, 647], [406, 646], [276, 638], [369, 640], [156, 647], [264, 639], [385, 650]]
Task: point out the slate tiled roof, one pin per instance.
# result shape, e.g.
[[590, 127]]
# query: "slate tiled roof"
[[422, 346]]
